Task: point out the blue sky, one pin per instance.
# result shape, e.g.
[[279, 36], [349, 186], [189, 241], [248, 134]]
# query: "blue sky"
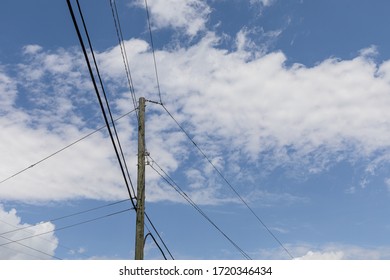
[[288, 99]]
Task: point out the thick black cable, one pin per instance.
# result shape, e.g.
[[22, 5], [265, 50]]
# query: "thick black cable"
[[181, 192], [228, 183], [159, 236], [119, 32], [97, 92], [99, 97], [69, 226], [155, 242], [153, 51], [63, 149], [107, 105]]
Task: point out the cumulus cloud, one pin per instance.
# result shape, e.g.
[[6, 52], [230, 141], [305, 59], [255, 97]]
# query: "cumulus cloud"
[[238, 107], [335, 108], [41, 117], [15, 241]]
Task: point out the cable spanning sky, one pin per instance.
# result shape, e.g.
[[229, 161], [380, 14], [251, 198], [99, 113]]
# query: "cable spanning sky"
[[287, 103]]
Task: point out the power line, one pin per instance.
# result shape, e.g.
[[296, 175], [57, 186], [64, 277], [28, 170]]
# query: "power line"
[[30, 232], [57, 219], [228, 183], [121, 165], [46, 158], [159, 236], [161, 103], [119, 34], [67, 216], [26, 253], [29, 247], [69, 226], [24, 229], [200, 150], [63, 149], [130, 82], [153, 51], [155, 242], [180, 191], [122, 157]]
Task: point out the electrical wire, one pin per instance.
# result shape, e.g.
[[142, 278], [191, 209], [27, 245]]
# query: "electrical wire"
[[119, 32], [63, 217], [67, 216], [57, 219], [126, 64], [123, 168], [29, 232], [68, 226], [63, 149], [29, 247], [228, 183], [153, 51], [180, 191], [122, 157], [26, 253], [47, 240], [121, 165], [200, 150], [155, 241], [159, 236]]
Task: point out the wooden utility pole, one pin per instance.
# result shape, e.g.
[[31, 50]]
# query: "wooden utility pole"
[[139, 232]]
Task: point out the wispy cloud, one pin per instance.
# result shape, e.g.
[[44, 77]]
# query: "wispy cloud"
[[265, 3], [190, 16]]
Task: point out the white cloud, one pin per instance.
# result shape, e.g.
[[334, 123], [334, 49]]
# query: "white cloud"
[[42, 114], [247, 46], [338, 255], [80, 250], [190, 16], [8, 92], [337, 106], [327, 251], [39, 247], [369, 52], [266, 3], [239, 108], [88, 170], [32, 49], [343, 252]]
